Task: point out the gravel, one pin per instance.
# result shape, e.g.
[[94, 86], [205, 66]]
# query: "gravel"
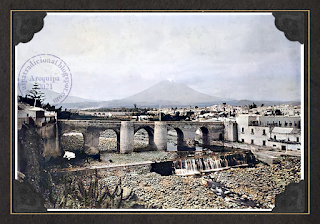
[[259, 184]]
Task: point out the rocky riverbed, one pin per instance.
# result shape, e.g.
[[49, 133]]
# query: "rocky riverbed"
[[259, 185], [254, 187]]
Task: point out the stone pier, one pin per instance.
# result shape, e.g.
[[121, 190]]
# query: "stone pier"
[[160, 135], [126, 137]]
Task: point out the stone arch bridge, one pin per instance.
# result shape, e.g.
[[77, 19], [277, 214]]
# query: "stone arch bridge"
[[157, 131]]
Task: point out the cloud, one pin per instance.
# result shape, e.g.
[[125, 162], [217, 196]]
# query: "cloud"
[[115, 55]]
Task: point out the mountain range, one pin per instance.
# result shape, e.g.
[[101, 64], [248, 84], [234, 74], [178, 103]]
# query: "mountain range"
[[167, 93]]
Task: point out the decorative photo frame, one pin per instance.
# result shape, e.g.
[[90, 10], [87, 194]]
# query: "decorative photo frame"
[[44, 180]]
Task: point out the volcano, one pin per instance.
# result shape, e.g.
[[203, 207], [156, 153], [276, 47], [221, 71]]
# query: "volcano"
[[170, 93]]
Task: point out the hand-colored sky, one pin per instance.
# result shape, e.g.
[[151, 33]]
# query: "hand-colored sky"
[[115, 55]]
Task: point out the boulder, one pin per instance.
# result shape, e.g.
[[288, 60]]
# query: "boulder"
[[126, 192]]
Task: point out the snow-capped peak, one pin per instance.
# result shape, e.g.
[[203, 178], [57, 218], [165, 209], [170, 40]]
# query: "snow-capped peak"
[[171, 80]]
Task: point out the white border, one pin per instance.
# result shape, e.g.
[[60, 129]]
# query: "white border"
[[302, 113], [160, 210], [15, 116], [142, 13]]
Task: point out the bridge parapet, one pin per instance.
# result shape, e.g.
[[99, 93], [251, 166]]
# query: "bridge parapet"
[[90, 122]]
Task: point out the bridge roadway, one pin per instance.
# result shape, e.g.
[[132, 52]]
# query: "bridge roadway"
[[157, 131]]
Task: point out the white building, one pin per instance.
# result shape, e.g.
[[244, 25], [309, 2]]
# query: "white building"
[[285, 138], [36, 115], [281, 132]]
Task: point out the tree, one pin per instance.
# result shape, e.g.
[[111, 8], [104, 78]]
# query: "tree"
[[26, 100], [49, 107], [36, 94], [278, 112], [253, 106]]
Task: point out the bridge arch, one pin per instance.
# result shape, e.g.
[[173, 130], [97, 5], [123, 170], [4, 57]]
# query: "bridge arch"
[[109, 140], [202, 136], [71, 141], [140, 135], [175, 139]]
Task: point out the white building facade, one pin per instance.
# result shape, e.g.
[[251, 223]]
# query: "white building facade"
[[280, 132]]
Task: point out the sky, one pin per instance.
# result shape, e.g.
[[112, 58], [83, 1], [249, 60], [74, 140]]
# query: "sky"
[[115, 55]]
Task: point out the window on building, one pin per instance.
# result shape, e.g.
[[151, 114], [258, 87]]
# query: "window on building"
[[242, 140], [297, 139], [290, 124], [285, 124], [263, 132], [279, 124], [252, 132], [275, 137], [252, 142], [283, 147], [242, 130], [264, 143]]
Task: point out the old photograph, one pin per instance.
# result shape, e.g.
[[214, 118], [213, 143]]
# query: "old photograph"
[[158, 111]]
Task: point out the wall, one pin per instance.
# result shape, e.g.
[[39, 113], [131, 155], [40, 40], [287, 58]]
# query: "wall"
[[49, 133], [109, 171], [257, 136], [278, 145], [230, 131]]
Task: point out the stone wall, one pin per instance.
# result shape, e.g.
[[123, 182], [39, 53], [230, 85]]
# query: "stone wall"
[[231, 132], [119, 171]]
